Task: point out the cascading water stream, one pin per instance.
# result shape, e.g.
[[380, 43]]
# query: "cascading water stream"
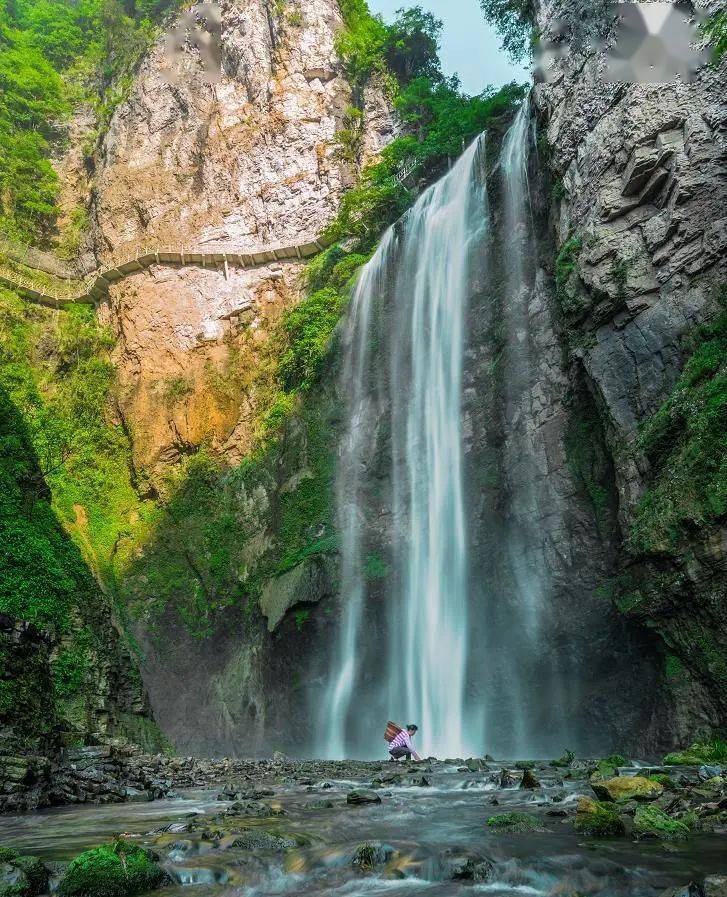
[[463, 637], [412, 297]]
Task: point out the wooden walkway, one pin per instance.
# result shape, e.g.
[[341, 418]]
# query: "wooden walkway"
[[95, 286]]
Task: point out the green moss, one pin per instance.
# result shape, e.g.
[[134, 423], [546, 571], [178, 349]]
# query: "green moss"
[[116, 870], [607, 767], [56, 369], [699, 753], [654, 822], [601, 822], [513, 822], [7, 854]]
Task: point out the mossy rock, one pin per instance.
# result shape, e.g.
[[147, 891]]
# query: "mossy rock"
[[623, 788], [35, 872], [113, 870], [655, 823], [513, 822], [598, 820], [21, 876]]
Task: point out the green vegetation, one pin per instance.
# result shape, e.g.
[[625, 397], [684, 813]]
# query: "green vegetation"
[[653, 822], [27, 876], [566, 272], [440, 121], [514, 21], [712, 752], [120, 869], [57, 371], [607, 767], [520, 823], [685, 443], [566, 760], [54, 56], [588, 461], [715, 32]]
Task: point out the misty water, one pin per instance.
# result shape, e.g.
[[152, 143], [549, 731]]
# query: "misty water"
[[422, 835]]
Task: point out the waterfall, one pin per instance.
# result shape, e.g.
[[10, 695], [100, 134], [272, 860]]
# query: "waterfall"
[[445, 482], [403, 382]]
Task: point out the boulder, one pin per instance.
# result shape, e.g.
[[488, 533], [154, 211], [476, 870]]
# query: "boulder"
[[360, 796], [468, 868], [597, 820], [371, 856], [715, 886], [628, 788], [257, 839], [652, 822]]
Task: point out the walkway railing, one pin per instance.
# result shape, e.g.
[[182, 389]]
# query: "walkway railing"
[[95, 286]]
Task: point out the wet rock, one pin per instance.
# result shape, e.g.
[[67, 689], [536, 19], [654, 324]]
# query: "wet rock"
[[468, 868], [420, 782], [690, 890], [707, 772], [506, 779], [321, 804], [371, 856], [529, 780], [253, 808], [715, 886], [361, 796], [627, 788], [475, 765], [257, 839]]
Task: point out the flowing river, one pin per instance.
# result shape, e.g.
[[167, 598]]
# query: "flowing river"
[[428, 836]]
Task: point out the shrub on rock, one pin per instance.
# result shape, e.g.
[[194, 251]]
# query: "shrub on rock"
[[112, 870]]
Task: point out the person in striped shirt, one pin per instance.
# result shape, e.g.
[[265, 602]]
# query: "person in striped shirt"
[[401, 746]]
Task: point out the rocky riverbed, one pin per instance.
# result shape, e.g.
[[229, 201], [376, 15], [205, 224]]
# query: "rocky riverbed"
[[438, 828]]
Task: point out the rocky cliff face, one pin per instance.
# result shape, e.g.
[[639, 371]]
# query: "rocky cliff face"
[[66, 679], [242, 162], [638, 213]]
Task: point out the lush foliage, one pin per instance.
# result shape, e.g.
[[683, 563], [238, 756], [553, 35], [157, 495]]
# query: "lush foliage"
[[699, 753], [514, 21], [120, 869], [685, 443], [32, 106], [57, 371], [52, 56], [440, 121], [715, 31]]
